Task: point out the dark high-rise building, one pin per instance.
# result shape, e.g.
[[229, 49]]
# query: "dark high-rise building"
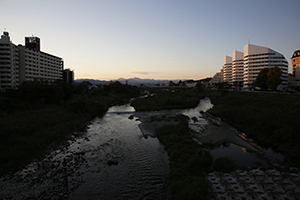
[[68, 76], [26, 63], [32, 43]]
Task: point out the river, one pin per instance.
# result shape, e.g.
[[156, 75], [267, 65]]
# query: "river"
[[110, 160], [115, 159]]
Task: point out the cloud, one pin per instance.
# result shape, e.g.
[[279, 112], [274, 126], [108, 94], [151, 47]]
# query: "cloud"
[[141, 73]]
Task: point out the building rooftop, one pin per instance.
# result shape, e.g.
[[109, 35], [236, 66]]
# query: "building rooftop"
[[296, 54]]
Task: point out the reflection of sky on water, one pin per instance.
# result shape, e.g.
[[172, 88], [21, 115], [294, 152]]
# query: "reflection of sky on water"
[[204, 105], [121, 108], [239, 155]]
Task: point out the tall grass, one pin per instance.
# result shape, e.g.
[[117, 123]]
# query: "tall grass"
[[271, 119], [168, 98], [188, 162], [31, 126]]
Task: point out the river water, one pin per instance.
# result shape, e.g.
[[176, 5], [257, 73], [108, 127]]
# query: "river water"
[[111, 159]]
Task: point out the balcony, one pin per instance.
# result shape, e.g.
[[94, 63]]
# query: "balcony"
[[7, 56]]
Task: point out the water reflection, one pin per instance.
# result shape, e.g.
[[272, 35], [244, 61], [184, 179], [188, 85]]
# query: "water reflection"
[[203, 106], [121, 108], [140, 168], [239, 155], [80, 170]]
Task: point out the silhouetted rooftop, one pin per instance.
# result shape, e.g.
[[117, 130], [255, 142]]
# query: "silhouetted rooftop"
[[296, 54]]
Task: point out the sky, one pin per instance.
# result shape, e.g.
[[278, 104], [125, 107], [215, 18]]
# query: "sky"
[[151, 39]]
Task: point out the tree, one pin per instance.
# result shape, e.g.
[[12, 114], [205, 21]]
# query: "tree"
[[274, 78], [262, 78], [269, 78]]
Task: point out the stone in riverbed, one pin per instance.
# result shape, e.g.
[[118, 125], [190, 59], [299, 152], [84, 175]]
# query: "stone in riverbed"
[[112, 162]]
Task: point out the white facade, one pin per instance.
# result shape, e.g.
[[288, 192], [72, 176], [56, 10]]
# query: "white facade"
[[237, 68], [256, 58], [227, 69], [19, 63], [9, 63]]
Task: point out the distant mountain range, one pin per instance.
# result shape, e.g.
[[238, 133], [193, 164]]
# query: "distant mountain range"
[[136, 81], [133, 81]]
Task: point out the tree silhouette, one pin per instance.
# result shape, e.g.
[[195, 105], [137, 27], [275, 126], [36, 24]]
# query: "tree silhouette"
[[269, 78], [274, 78], [262, 77]]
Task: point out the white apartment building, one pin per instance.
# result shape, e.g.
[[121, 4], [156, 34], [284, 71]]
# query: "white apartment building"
[[256, 58], [227, 69], [9, 63], [237, 68], [243, 67], [26, 63]]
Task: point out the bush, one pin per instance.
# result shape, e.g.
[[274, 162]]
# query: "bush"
[[188, 161]]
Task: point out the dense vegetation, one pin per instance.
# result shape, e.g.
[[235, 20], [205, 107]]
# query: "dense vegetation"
[[188, 162], [169, 98], [39, 115], [272, 119], [269, 78]]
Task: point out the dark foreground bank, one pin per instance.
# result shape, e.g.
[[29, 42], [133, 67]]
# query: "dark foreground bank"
[[39, 116], [271, 119]]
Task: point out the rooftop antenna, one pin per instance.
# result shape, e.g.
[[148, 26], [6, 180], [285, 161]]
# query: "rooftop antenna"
[[248, 41]]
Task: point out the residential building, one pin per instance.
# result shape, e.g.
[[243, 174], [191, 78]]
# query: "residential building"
[[227, 69], [256, 58], [243, 67], [296, 63], [9, 63], [38, 65], [68, 76], [294, 81], [237, 68], [26, 63]]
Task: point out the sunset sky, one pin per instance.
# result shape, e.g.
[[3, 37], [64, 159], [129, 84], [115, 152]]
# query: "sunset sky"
[[159, 39]]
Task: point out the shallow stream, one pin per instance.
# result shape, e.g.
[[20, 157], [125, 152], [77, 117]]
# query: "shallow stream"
[[112, 159]]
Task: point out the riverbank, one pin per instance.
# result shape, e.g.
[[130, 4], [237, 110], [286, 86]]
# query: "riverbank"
[[271, 119], [236, 108], [38, 117], [109, 160]]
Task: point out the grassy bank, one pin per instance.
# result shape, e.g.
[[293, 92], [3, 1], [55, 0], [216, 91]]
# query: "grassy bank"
[[188, 161], [168, 98], [271, 119], [39, 116]]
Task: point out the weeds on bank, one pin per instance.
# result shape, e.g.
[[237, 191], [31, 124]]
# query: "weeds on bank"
[[38, 116], [168, 99], [271, 119], [188, 161]]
